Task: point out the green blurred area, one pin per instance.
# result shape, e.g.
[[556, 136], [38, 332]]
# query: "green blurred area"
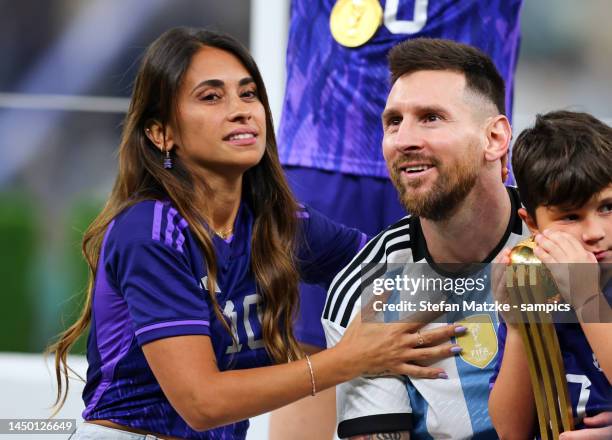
[[43, 283], [79, 217], [18, 241]]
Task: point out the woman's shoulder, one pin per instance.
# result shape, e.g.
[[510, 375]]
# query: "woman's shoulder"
[[150, 221]]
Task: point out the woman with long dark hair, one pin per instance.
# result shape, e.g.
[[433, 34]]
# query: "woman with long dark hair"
[[195, 261]]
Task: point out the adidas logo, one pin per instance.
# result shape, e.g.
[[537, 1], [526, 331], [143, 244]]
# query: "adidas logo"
[[204, 284]]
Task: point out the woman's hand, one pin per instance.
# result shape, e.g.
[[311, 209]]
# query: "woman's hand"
[[377, 349]]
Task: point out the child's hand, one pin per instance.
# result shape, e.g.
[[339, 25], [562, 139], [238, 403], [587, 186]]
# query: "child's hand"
[[561, 247], [498, 282], [597, 427], [574, 269]]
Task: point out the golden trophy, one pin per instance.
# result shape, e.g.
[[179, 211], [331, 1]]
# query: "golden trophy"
[[529, 282]]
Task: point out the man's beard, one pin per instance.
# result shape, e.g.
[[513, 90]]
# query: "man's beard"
[[449, 189]]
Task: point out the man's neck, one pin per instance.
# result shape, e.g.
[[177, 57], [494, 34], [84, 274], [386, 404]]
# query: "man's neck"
[[474, 230]]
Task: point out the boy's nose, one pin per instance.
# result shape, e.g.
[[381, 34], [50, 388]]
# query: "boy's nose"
[[593, 230]]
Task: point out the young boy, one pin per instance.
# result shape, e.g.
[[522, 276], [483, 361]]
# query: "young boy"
[[563, 169]]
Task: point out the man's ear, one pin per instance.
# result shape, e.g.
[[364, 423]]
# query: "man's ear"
[[162, 137], [529, 221], [499, 134]]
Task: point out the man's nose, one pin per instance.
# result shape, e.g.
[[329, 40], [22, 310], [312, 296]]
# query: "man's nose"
[[408, 137]]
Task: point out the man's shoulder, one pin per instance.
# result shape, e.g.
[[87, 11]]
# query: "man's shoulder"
[[393, 244], [389, 239]]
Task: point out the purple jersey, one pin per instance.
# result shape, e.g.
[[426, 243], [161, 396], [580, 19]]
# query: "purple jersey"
[[335, 95], [589, 389], [151, 284]]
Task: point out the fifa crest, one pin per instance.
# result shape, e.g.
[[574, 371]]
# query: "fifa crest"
[[479, 343]]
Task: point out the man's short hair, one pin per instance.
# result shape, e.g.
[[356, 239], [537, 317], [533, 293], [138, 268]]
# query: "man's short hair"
[[480, 72], [563, 160]]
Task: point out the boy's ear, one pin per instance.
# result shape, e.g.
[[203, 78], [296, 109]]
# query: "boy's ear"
[[499, 134], [162, 137], [529, 221]]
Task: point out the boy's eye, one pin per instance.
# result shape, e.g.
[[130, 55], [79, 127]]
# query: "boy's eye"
[[570, 217], [606, 208]]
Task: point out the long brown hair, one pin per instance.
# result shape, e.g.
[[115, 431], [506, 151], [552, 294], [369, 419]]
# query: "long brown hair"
[[142, 177]]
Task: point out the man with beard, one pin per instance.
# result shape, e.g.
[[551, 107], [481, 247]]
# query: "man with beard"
[[445, 143], [329, 135]]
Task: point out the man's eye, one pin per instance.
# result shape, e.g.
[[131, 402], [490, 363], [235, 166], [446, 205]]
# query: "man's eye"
[[394, 121], [432, 117]]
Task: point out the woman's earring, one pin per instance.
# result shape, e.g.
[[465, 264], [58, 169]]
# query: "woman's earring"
[[167, 160]]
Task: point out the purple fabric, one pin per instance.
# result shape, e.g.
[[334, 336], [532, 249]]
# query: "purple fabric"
[[157, 218], [364, 240], [334, 95], [367, 203], [144, 284], [171, 324], [170, 226], [170, 332], [181, 237], [113, 336]]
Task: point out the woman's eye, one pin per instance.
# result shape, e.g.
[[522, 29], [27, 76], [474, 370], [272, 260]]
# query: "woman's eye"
[[249, 94], [210, 97]]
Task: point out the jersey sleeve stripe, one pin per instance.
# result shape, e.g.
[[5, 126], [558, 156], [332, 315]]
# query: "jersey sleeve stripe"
[[171, 324], [181, 237], [351, 274], [364, 255], [382, 268], [351, 280], [170, 226], [157, 219]]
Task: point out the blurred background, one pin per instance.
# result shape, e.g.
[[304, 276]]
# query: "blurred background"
[[65, 78]]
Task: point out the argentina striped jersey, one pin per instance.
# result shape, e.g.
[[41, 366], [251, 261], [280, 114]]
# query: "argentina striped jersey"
[[454, 408]]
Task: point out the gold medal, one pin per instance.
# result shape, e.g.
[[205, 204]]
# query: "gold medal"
[[354, 22]]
